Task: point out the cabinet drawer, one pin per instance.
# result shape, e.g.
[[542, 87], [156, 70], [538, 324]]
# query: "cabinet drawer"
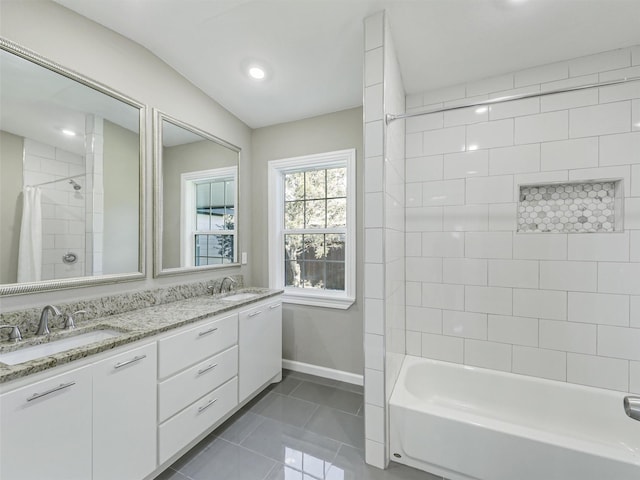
[[182, 350], [177, 432], [184, 388]]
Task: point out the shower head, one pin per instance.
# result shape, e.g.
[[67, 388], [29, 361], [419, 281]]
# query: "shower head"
[[76, 185]]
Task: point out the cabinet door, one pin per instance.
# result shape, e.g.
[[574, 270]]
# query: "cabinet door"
[[46, 429], [124, 415], [260, 344]]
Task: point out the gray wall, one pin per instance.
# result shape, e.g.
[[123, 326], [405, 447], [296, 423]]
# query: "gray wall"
[[121, 183], [191, 157], [320, 336], [101, 54], [10, 204]]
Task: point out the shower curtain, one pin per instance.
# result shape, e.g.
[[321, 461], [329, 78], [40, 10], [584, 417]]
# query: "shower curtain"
[[30, 247]]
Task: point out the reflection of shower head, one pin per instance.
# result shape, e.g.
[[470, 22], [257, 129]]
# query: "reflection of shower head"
[[76, 185]]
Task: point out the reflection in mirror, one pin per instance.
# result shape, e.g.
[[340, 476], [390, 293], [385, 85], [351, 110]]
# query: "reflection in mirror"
[[197, 210], [70, 178]]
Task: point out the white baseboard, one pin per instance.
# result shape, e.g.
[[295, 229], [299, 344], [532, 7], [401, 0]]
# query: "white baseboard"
[[324, 372]]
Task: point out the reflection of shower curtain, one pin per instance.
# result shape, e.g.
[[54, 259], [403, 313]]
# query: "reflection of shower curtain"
[[30, 249]]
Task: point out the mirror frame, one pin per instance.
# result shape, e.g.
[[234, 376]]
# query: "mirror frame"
[[158, 118], [48, 285]]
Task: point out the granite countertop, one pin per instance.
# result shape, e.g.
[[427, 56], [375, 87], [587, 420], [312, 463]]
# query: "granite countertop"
[[134, 325]]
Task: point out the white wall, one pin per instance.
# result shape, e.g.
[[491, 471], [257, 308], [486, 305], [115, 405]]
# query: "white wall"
[[558, 306], [76, 42], [384, 234]]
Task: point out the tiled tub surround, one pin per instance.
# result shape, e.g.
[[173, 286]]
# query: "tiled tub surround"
[[555, 305], [135, 324]]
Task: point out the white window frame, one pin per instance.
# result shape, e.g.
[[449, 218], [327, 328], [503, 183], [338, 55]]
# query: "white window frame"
[[188, 206], [277, 171]]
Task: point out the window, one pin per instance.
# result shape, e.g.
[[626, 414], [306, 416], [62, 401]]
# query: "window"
[[312, 228], [208, 234]]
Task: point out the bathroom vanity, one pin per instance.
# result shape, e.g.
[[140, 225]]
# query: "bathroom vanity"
[[128, 406]]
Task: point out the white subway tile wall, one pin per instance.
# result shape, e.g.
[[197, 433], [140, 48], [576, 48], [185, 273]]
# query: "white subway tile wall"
[[564, 306], [63, 208], [386, 290]]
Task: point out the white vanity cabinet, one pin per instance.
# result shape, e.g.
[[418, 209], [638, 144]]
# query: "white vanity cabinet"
[[124, 415], [198, 384], [260, 345], [127, 414], [46, 429]]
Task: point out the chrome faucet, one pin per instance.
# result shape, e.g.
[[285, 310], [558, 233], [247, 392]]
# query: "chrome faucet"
[[632, 407], [232, 282], [15, 335], [43, 326]]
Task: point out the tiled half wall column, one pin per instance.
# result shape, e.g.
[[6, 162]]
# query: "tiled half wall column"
[[384, 339], [561, 306]]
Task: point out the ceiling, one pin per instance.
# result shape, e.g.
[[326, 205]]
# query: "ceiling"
[[312, 49], [39, 104]]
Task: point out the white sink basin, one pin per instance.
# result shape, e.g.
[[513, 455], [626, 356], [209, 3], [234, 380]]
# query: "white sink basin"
[[239, 297], [45, 349]]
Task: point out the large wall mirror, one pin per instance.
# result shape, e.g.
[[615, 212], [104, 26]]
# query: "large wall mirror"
[[70, 178], [196, 201]]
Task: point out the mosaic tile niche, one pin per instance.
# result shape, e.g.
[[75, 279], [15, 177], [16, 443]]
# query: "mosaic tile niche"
[[577, 207]]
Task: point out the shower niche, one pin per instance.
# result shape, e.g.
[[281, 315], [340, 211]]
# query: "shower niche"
[[594, 206]]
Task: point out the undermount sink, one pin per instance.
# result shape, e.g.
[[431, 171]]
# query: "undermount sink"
[[56, 346], [237, 297]]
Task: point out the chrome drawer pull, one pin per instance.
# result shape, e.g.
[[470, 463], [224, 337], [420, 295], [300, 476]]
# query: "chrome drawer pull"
[[254, 314], [55, 389], [206, 332], [206, 369], [134, 359], [274, 306], [209, 403]]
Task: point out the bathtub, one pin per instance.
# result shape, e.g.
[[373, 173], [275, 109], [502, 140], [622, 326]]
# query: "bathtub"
[[468, 423]]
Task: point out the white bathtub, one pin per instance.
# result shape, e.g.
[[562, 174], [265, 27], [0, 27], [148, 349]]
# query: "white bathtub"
[[472, 423]]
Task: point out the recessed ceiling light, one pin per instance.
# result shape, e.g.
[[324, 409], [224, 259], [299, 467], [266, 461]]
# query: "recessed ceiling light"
[[68, 133], [256, 73]]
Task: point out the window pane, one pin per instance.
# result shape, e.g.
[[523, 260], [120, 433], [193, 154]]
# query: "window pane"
[[294, 186], [294, 215], [203, 207], [313, 247], [315, 184], [337, 212], [217, 219], [202, 221], [337, 182], [335, 275], [202, 195], [229, 220], [224, 245], [315, 214], [313, 274], [217, 195], [213, 249], [292, 252], [335, 247], [230, 193]]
